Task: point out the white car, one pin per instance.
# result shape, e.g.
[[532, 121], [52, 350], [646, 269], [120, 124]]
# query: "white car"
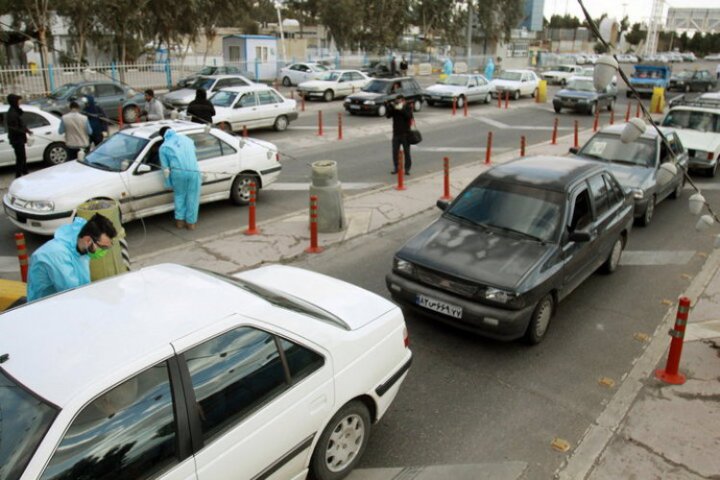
[[296, 73], [126, 168], [180, 99], [460, 88], [334, 84], [172, 373], [256, 106], [517, 82], [48, 144], [561, 74]]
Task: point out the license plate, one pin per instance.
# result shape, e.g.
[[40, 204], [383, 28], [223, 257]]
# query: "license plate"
[[354, 107], [438, 306]]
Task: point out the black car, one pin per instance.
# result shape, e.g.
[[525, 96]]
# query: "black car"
[[515, 242], [580, 95], [374, 97], [377, 70], [692, 81]]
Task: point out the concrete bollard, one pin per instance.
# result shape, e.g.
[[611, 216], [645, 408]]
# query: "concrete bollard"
[[326, 187], [117, 259]]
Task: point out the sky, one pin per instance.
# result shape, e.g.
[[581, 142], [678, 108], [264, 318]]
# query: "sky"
[[637, 10]]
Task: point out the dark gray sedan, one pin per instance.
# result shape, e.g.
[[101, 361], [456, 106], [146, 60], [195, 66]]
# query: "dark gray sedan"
[[515, 242], [108, 95], [580, 95]]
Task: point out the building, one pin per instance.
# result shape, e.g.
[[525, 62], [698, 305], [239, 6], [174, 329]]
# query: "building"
[[692, 20], [533, 20], [257, 54]]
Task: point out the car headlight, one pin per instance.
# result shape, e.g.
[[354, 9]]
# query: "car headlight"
[[497, 295], [403, 266], [637, 193], [369, 102], [40, 205], [348, 100]]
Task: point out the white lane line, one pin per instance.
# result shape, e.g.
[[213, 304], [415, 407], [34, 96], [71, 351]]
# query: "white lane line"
[[505, 126], [509, 470], [657, 257], [288, 186], [458, 149]]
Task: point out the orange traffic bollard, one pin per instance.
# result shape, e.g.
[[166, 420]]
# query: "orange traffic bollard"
[[554, 132], [637, 110], [454, 106], [507, 99], [245, 132], [401, 171], [488, 149], [627, 113], [446, 179], [22, 255], [252, 228], [292, 94], [596, 122], [612, 117], [320, 126], [302, 103], [670, 373], [340, 135], [522, 146], [576, 142], [314, 247], [499, 96], [465, 109], [120, 116]]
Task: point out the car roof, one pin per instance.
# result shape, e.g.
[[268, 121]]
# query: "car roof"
[[545, 171], [223, 75], [4, 107], [150, 129], [394, 79], [650, 132], [246, 88]]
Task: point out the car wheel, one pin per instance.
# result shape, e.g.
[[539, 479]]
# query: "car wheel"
[[488, 98], [557, 108], [678, 189], [381, 111], [55, 154], [417, 106], [563, 82], [286, 82], [708, 88], [540, 320], [460, 102], [649, 212], [328, 96], [131, 114], [710, 172], [534, 94], [516, 95], [281, 123], [592, 109], [240, 190], [613, 259], [225, 127], [342, 443]]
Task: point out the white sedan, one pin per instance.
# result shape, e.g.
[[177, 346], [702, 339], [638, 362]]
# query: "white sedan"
[[517, 82], [296, 73], [48, 144], [171, 373], [126, 168], [334, 84], [460, 88], [256, 106]]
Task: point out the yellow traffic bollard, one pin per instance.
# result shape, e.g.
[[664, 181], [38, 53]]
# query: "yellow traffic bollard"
[[11, 292], [541, 96], [117, 259], [657, 102]]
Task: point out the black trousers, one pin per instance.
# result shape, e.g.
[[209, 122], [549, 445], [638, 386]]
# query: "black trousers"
[[96, 138], [20, 159], [403, 140]]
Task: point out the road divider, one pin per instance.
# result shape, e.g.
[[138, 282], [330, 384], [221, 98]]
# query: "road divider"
[[252, 227]]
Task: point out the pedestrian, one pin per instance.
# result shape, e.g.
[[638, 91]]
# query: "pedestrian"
[[182, 174], [489, 69], [393, 66], [64, 262], [77, 130], [17, 133], [153, 109], [98, 124], [448, 67], [201, 110], [402, 116], [717, 71], [403, 66]]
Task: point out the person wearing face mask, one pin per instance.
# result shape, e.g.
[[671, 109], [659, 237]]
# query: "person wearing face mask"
[[64, 262]]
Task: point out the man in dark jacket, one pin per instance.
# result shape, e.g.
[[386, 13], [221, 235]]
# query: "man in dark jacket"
[[17, 133], [96, 116], [401, 113], [200, 109]]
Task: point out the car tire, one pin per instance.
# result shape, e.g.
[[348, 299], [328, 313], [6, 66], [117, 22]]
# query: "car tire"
[[677, 193], [460, 102], [540, 320], [708, 88], [687, 88], [418, 105], [131, 114], [225, 127], [648, 213], [55, 154], [557, 108], [240, 190], [329, 95], [563, 82], [516, 95], [281, 123], [592, 109], [611, 105], [333, 459], [286, 82], [488, 98], [381, 111], [613, 259], [710, 172]]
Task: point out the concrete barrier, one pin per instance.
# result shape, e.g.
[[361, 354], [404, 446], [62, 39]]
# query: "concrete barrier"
[[461, 67], [424, 69]]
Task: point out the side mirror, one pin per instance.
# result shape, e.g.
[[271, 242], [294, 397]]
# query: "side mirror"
[[442, 204], [574, 150], [143, 168], [579, 237]]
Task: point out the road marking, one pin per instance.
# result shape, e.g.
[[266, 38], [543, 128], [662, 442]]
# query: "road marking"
[[505, 126], [511, 470], [9, 264], [705, 186], [656, 257], [287, 186], [459, 149]]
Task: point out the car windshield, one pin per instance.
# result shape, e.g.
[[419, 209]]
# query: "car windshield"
[[377, 87], [331, 76], [684, 74], [207, 71], [693, 120], [117, 153], [203, 82], [63, 92], [516, 76], [223, 99], [529, 212], [456, 80], [24, 420], [563, 68], [319, 68], [610, 148], [581, 85]]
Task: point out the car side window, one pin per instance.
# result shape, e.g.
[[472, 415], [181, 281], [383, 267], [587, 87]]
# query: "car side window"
[[615, 193], [127, 432], [106, 90], [237, 82], [301, 361], [206, 146], [152, 157], [676, 144], [247, 100], [232, 375], [599, 192], [267, 97], [33, 120], [480, 81], [85, 90], [581, 213]]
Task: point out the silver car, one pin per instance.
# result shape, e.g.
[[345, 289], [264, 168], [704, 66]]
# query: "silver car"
[[108, 95], [460, 88], [180, 99]]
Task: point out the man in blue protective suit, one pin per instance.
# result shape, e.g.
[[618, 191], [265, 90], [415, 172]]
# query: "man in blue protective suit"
[[64, 262], [489, 69], [182, 174]]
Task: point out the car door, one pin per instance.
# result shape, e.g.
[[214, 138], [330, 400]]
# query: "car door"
[[344, 86], [42, 131], [146, 184], [260, 399], [579, 257], [605, 224], [482, 87], [269, 107], [109, 96], [245, 112], [218, 162]]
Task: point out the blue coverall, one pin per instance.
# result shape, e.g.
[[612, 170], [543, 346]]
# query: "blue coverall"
[[489, 69], [57, 265], [177, 154]]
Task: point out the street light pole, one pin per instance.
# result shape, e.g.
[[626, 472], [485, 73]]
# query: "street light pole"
[[469, 33], [278, 6]]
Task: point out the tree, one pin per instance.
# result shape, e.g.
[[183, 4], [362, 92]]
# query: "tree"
[[82, 19], [636, 35], [564, 21], [439, 18], [496, 18]]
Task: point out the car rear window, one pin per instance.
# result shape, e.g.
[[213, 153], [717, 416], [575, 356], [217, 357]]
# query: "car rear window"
[[24, 420], [377, 87]]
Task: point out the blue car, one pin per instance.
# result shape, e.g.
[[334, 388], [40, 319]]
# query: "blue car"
[[647, 77], [580, 95]]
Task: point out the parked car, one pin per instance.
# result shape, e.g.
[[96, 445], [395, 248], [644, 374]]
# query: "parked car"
[[646, 77], [460, 88], [256, 106], [561, 74], [108, 95], [174, 373], [373, 99], [297, 73], [517, 82], [692, 81], [126, 168], [377, 69], [334, 84], [697, 122], [209, 70], [580, 95], [48, 145], [515, 242], [636, 165]]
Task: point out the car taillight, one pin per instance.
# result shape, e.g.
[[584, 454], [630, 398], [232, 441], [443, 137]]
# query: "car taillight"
[[406, 337], [277, 157]]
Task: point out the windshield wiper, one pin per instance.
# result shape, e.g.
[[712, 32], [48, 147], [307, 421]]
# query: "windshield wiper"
[[467, 220], [592, 155], [518, 232], [627, 162], [101, 166]]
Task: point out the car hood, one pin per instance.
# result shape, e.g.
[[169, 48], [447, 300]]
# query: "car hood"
[[52, 183], [317, 84], [478, 255], [184, 95], [576, 94], [694, 140], [632, 176], [354, 305], [367, 95], [446, 89]]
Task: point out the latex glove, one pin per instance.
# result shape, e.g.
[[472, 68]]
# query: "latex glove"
[[30, 140], [399, 106], [166, 172]]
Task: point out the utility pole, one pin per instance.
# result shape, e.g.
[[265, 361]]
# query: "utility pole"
[[655, 26], [469, 32], [278, 6]]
